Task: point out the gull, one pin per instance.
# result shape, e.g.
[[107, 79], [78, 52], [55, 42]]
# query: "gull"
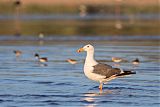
[[100, 72]]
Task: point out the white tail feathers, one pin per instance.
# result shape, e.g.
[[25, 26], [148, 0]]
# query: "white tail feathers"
[[122, 71]]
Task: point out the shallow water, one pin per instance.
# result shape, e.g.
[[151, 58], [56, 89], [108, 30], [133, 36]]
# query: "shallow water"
[[78, 17], [26, 83]]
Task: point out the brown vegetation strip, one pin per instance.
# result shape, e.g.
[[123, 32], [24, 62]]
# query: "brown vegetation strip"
[[94, 2]]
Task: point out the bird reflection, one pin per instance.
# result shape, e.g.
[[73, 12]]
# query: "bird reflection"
[[91, 97], [41, 38], [17, 5], [41, 42], [91, 105]]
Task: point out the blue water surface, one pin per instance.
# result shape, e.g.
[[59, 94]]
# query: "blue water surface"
[[24, 82]]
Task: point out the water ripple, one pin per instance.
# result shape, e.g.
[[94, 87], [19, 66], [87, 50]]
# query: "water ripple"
[[24, 83]]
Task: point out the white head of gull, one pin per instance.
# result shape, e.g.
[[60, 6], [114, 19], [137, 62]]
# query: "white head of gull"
[[99, 72]]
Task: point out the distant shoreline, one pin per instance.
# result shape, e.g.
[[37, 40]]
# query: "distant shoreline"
[[82, 25], [88, 2]]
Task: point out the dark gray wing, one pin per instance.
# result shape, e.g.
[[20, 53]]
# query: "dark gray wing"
[[105, 70]]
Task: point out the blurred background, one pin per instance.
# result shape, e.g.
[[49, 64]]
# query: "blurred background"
[[79, 17]]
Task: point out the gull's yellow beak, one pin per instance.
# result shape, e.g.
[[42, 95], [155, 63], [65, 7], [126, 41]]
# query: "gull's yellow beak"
[[80, 50]]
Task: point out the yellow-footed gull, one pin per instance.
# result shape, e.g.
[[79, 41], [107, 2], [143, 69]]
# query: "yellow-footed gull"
[[99, 72]]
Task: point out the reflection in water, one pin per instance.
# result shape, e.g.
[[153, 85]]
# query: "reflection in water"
[[41, 38], [43, 65], [40, 64], [91, 97], [61, 84], [91, 105], [17, 5], [118, 23], [116, 65], [41, 42]]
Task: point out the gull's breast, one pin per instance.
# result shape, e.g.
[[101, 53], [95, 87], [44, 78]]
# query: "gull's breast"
[[88, 71]]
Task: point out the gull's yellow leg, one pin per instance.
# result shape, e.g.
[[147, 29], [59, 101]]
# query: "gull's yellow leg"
[[101, 86]]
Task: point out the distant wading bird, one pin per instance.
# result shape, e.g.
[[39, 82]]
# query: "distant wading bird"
[[99, 72], [116, 59], [43, 59], [41, 35], [72, 61], [136, 61], [17, 53]]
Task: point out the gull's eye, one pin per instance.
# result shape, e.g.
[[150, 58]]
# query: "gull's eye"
[[88, 46]]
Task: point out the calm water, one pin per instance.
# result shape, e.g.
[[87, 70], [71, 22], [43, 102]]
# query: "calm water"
[[26, 83], [78, 17]]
